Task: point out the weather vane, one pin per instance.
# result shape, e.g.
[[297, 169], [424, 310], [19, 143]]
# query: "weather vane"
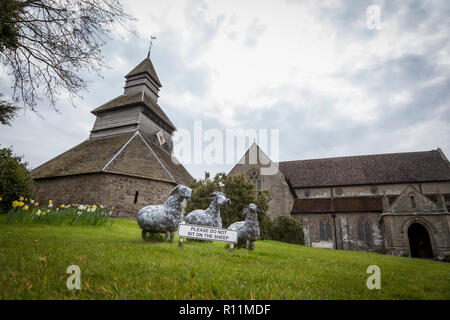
[[151, 42]]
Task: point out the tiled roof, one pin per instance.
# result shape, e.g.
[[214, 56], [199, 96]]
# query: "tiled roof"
[[341, 204], [145, 66], [123, 154], [405, 167], [126, 100]]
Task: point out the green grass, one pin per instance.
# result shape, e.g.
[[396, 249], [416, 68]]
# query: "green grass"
[[116, 264]]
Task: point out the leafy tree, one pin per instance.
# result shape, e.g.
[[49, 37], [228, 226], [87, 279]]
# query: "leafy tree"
[[238, 190], [44, 44], [15, 180], [7, 111], [286, 229]]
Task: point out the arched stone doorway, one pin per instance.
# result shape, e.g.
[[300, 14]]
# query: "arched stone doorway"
[[419, 241]]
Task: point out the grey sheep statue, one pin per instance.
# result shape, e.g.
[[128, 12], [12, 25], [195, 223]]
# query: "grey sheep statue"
[[164, 218], [248, 230], [211, 216]]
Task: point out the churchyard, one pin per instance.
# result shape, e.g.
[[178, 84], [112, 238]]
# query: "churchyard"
[[115, 263]]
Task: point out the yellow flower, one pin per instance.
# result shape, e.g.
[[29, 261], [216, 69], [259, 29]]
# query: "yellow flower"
[[94, 206], [50, 201], [15, 203], [36, 204], [25, 207], [62, 206], [43, 213], [21, 204], [21, 198], [1, 198], [26, 199]]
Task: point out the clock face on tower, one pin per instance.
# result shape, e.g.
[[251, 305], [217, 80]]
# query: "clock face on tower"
[[161, 138]]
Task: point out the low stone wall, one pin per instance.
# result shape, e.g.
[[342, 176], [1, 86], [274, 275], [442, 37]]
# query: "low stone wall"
[[110, 190]]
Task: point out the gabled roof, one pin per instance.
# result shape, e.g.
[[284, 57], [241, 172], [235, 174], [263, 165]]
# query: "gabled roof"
[[405, 167], [127, 100], [146, 66], [128, 154]]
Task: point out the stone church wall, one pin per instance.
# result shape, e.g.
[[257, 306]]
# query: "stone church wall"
[[346, 230], [103, 189]]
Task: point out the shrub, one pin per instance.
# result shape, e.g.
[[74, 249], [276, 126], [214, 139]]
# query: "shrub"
[[286, 229], [15, 180]]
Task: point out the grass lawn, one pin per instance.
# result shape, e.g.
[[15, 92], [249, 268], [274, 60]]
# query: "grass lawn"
[[116, 264]]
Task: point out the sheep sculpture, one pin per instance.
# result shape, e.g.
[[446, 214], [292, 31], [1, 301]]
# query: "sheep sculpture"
[[211, 216], [164, 218], [248, 230]]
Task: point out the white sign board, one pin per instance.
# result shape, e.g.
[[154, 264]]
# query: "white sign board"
[[206, 233]]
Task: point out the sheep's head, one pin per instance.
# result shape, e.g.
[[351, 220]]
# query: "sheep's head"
[[253, 210], [182, 191], [221, 199]]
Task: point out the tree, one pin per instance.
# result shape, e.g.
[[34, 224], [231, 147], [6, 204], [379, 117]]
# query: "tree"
[[44, 44], [287, 229], [7, 111], [238, 190], [15, 180]]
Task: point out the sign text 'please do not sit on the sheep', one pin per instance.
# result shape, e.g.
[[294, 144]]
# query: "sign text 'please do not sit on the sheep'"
[[206, 233]]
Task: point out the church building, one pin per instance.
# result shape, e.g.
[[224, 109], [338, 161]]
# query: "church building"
[[126, 162], [394, 203]]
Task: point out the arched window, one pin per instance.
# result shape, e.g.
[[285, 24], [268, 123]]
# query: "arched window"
[[413, 201], [363, 229], [255, 178], [325, 229]]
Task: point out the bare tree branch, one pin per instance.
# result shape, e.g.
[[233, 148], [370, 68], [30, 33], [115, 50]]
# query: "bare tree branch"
[[44, 44]]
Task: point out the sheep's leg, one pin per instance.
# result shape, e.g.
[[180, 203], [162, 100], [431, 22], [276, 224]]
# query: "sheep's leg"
[[246, 244], [172, 235], [166, 236], [144, 235], [252, 245]]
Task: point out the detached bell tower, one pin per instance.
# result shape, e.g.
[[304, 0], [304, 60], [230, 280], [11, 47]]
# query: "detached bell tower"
[[136, 109]]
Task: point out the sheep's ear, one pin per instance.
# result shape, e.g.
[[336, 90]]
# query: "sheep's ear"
[[212, 196], [228, 204], [174, 190]]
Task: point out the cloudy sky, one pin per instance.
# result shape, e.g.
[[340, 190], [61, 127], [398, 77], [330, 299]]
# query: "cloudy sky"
[[312, 69]]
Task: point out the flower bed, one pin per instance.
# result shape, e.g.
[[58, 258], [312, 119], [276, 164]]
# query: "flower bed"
[[29, 211]]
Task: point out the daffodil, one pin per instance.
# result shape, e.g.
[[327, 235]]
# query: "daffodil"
[[36, 204], [50, 205], [31, 201], [50, 201], [62, 206], [1, 198], [38, 213], [43, 213], [25, 208], [21, 199], [21, 204], [15, 203]]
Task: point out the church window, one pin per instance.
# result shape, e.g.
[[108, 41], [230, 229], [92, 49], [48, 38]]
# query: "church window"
[[325, 230], [413, 201], [136, 196], [255, 178], [363, 229]]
